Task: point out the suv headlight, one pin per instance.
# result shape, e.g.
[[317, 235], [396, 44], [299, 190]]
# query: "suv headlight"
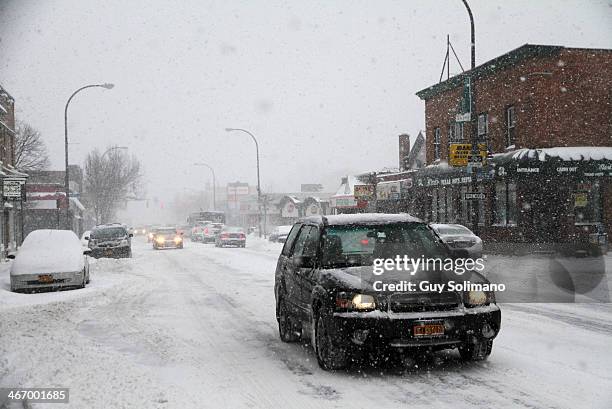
[[124, 242], [478, 298], [359, 302]]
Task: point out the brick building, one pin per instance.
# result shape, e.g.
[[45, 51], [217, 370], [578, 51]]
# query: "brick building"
[[12, 181], [544, 114]]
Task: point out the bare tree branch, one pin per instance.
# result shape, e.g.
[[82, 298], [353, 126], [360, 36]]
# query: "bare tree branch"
[[109, 180], [30, 150]]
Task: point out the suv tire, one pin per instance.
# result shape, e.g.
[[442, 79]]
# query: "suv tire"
[[330, 354], [476, 351], [286, 328]]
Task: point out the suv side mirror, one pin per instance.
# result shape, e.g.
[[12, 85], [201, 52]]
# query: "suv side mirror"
[[131, 234], [86, 238], [10, 256], [86, 251], [304, 261]]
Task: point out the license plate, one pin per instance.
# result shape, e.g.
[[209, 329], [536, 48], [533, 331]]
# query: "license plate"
[[45, 278], [108, 252], [428, 330]]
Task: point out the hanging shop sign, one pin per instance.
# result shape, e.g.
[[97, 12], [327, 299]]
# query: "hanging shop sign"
[[364, 192], [13, 188], [460, 154]]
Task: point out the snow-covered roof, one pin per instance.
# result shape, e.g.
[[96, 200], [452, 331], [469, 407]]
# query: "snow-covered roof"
[[370, 218], [347, 188], [565, 153]]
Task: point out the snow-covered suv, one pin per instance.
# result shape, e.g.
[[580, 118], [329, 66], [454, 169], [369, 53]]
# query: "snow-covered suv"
[[327, 290]]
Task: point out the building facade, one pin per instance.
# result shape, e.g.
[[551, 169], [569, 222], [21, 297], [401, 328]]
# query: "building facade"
[[12, 180], [544, 119]]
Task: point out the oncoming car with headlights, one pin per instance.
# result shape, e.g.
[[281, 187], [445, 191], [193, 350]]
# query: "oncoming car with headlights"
[[168, 237], [324, 289]]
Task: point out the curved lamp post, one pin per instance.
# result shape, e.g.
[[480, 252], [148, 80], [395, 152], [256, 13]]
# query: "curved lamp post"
[[67, 176], [258, 181], [214, 182]]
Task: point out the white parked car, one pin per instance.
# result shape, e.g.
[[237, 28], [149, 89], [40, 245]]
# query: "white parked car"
[[50, 259], [461, 240], [279, 234]]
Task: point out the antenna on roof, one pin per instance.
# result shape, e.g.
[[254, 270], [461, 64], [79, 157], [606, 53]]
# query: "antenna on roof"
[[446, 64]]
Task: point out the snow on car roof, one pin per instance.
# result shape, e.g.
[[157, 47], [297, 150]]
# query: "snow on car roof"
[[366, 218], [49, 251]]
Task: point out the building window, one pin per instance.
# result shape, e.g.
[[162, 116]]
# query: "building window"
[[587, 203], [434, 205], [510, 125], [436, 143], [505, 204], [455, 132], [467, 206], [483, 126]]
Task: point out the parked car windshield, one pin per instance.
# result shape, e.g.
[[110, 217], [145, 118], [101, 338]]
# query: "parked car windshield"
[[108, 233], [359, 245]]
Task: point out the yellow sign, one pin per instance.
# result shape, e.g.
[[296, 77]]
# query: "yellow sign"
[[581, 200], [459, 153]]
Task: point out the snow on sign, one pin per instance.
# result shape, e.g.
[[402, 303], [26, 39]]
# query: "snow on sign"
[[12, 188], [474, 196]]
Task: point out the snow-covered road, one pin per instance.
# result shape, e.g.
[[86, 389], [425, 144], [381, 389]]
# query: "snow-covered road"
[[195, 328]]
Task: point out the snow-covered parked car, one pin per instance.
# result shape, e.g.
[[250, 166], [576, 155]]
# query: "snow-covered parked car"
[[50, 259], [279, 234], [460, 240]]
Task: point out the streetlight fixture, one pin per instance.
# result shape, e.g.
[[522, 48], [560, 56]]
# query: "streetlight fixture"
[[258, 181], [67, 176], [113, 148], [214, 182]]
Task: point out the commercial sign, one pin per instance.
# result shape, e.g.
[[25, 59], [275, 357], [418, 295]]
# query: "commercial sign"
[[13, 188], [474, 196], [388, 190], [364, 191], [237, 189], [344, 201], [460, 154]]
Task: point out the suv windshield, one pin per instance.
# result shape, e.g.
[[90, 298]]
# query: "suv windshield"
[[359, 245], [108, 233]]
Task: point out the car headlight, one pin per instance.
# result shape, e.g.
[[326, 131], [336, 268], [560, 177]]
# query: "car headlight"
[[178, 239], [478, 298], [361, 302]]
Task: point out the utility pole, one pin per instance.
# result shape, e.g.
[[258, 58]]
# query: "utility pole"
[[474, 204]]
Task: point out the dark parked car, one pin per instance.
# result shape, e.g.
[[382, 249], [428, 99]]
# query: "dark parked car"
[[326, 291], [110, 240]]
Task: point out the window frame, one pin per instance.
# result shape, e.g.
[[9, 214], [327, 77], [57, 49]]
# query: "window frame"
[[437, 139], [485, 125], [510, 125]]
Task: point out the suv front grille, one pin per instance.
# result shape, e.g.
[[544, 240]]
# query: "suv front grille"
[[423, 302]]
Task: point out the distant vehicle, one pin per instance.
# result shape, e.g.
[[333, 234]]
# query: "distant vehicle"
[[110, 240], [211, 231], [167, 237], [279, 234], [461, 241], [231, 236], [50, 259], [326, 291], [85, 238], [212, 216], [197, 231]]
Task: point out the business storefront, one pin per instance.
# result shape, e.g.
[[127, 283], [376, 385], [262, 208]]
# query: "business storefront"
[[547, 196]]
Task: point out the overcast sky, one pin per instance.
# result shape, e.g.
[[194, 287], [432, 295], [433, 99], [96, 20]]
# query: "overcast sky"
[[326, 86]]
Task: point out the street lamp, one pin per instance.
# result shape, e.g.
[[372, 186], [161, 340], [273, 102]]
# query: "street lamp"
[[214, 182], [112, 148], [67, 176], [475, 205], [258, 181]]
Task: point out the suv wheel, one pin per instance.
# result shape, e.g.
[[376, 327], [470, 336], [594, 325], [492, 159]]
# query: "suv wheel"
[[286, 328], [476, 351], [330, 354]]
